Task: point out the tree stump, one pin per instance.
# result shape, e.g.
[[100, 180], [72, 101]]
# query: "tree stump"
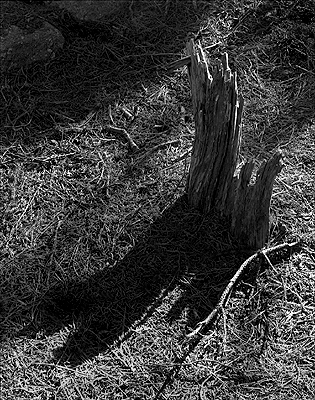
[[214, 181]]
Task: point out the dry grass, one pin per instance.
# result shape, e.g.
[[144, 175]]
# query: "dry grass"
[[104, 268]]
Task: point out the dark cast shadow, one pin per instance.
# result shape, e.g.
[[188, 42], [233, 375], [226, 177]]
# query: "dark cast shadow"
[[93, 69], [182, 248]]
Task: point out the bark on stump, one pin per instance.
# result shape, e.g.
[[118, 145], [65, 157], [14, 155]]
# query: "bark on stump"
[[215, 182]]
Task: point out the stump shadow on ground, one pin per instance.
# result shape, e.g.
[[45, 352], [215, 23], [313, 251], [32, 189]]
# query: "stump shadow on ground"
[[104, 309]]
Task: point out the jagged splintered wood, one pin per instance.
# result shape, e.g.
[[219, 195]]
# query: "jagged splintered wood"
[[213, 182]]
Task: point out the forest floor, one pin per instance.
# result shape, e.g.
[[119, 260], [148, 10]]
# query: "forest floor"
[[104, 268]]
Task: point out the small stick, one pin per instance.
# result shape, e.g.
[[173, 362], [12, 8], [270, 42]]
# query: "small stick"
[[291, 247], [159, 147], [268, 260], [182, 156], [127, 113], [122, 132], [213, 46], [110, 114], [178, 63]]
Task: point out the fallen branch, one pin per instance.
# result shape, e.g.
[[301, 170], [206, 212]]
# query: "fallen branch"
[[160, 146], [194, 339], [110, 114], [182, 156], [122, 132], [182, 62], [127, 113], [289, 247]]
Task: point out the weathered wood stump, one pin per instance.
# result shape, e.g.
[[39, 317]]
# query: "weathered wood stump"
[[215, 182]]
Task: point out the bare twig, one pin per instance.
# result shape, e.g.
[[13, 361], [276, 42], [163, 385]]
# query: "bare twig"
[[201, 326], [110, 114], [178, 64], [159, 147], [182, 156], [213, 46], [127, 113], [122, 132]]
